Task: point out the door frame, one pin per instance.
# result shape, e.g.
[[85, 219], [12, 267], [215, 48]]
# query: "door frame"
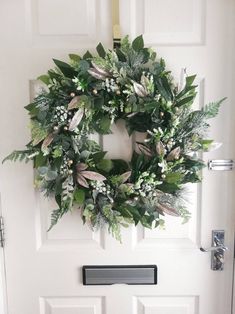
[[3, 290], [3, 286]]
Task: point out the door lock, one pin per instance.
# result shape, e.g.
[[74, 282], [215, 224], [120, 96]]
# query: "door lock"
[[217, 250]]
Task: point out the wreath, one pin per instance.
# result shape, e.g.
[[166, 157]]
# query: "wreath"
[[88, 95]]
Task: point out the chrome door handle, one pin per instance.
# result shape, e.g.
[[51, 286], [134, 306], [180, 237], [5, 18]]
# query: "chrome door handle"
[[217, 250], [214, 248]]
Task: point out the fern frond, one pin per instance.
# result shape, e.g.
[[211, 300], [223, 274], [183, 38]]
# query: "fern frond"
[[212, 109], [55, 216], [18, 155]]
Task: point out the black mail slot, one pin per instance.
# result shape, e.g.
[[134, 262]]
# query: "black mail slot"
[[116, 274]]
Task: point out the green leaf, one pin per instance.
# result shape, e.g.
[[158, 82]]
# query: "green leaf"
[[65, 68], [192, 177], [40, 160], [168, 187], [74, 57], [101, 51], [105, 124], [38, 132], [51, 175], [79, 196], [121, 55], [212, 109], [98, 156], [83, 66], [147, 221], [186, 100], [45, 79], [87, 55], [105, 165], [32, 108], [167, 87], [119, 166], [194, 164], [151, 105], [58, 190], [125, 43], [164, 88], [190, 79], [173, 177], [206, 144], [92, 146], [138, 43]]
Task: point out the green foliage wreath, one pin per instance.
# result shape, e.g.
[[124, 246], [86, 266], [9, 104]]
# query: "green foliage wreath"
[[88, 95]]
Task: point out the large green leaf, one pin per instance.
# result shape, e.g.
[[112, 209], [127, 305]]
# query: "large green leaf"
[[45, 79], [101, 51], [79, 196], [105, 164], [138, 43], [186, 100], [40, 160], [38, 132], [174, 177], [190, 79], [65, 68], [105, 124], [74, 57], [87, 55]]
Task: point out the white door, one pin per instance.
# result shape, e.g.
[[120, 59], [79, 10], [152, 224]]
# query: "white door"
[[43, 270]]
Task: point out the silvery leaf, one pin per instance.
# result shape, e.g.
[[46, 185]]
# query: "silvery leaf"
[[182, 83], [144, 81], [81, 166], [125, 176], [160, 149], [76, 119], [92, 175], [93, 72], [47, 141], [174, 154], [99, 69], [145, 150], [131, 114], [167, 210], [139, 90], [82, 181], [74, 103]]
